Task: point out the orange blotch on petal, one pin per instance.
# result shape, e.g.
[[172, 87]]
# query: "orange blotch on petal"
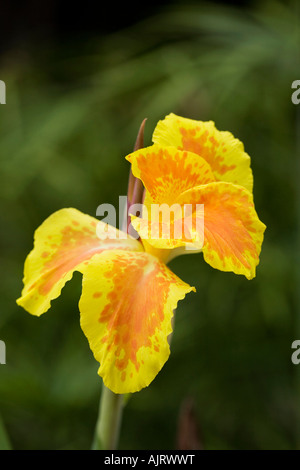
[[96, 295]]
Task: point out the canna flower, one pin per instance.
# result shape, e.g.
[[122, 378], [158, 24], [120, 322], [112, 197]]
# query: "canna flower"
[[128, 292], [208, 171]]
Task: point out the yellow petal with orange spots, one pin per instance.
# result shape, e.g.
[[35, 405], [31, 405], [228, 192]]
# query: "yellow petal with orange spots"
[[233, 233], [224, 153], [126, 309], [166, 172], [222, 222], [65, 242]]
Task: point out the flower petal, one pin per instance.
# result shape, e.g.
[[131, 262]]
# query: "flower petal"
[[224, 153], [223, 223], [233, 233], [126, 308], [166, 172], [63, 243]]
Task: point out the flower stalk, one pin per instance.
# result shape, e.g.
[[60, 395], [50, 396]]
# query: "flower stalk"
[[135, 192], [109, 420]]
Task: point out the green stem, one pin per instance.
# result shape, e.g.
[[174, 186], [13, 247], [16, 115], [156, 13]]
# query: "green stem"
[[109, 420]]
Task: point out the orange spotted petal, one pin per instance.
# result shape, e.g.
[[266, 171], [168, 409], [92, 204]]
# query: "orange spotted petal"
[[224, 153], [222, 223], [65, 242], [233, 233], [126, 309], [166, 172]]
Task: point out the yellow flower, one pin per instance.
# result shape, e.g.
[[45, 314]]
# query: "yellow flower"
[[192, 164], [128, 292]]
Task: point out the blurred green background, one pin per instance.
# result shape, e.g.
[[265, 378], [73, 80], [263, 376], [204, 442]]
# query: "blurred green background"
[[75, 99]]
